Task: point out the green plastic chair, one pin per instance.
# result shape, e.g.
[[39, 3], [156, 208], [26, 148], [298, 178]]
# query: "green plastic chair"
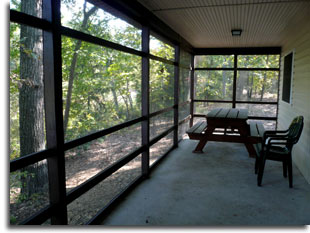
[[277, 146]]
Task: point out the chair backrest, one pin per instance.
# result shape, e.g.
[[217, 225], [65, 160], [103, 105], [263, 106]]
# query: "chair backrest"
[[295, 129]]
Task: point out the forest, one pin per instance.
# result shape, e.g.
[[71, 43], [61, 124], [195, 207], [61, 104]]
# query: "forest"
[[251, 85], [101, 88]]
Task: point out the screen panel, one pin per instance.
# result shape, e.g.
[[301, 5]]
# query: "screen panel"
[[214, 85], [257, 86]]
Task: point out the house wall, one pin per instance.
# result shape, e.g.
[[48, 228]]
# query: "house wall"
[[297, 37]]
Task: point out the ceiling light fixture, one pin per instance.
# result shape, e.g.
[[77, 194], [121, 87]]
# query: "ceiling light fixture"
[[236, 32]]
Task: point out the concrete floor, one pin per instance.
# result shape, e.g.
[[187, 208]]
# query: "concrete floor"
[[216, 188]]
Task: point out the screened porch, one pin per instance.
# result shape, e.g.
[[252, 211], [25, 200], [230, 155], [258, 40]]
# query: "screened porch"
[[102, 93]]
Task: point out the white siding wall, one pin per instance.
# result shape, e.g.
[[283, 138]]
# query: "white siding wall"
[[298, 38]]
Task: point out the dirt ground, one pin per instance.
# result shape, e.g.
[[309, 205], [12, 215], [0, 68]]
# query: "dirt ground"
[[84, 162]]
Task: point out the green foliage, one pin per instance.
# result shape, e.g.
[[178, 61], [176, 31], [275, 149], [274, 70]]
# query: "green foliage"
[[214, 61], [161, 49], [184, 85], [251, 85], [17, 180], [107, 83], [13, 219], [14, 89], [214, 85], [105, 88], [184, 76], [258, 61], [161, 85]]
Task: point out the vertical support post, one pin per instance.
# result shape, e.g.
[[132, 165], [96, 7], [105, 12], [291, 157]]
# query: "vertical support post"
[[145, 100], [53, 111], [176, 93], [235, 80], [192, 91], [279, 75]]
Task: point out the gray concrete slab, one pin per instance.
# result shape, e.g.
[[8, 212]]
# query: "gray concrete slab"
[[216, 188]]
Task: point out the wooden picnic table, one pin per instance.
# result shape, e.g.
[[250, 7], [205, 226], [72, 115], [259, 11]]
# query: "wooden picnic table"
[[225, 125]]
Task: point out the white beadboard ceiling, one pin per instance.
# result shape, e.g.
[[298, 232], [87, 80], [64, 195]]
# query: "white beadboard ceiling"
[[208, 23]]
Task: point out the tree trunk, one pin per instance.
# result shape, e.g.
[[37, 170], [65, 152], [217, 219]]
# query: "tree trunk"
[[31, 101], [182, 91], [129, 94], [242, 78], [251, 88], [115, 97], [127, 107], [70, 84], [73, 65], [224, 83], [265, 78]]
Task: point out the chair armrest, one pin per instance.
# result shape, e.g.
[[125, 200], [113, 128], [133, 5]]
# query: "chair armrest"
[[274, 133], [274, 140], [277, 140]]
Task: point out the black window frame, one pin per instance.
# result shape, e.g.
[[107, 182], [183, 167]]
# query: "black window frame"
[[288, 77]]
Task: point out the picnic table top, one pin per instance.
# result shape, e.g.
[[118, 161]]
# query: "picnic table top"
[[228, 113]]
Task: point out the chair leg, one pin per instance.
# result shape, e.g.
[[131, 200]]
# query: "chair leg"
[[256, 165], [290, 172], [284, 168], [261, 171]]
